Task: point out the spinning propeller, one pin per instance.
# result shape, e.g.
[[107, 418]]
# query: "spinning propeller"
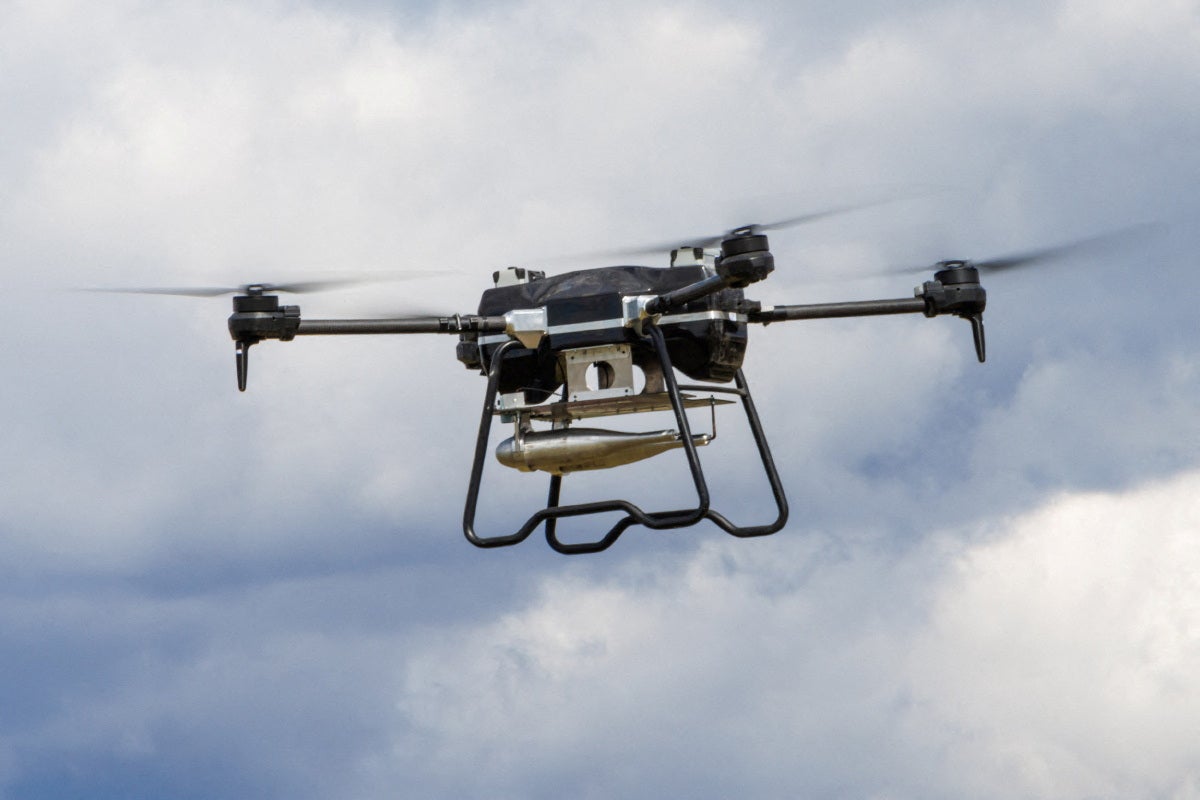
[[305, 287], [1096, 244], [707, 241], [256, 289], [257, 310]]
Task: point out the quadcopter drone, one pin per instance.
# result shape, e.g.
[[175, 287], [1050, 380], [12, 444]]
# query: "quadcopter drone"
[[564, 349]]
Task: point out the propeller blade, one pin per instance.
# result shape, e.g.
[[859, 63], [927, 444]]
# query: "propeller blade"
[[713, 240], [293, 287], [405, 312], [308, 287], [197, 291], [1091, 244], [805, 219]]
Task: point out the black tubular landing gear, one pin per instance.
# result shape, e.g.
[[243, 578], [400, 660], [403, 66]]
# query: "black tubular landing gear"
[[655, 520]]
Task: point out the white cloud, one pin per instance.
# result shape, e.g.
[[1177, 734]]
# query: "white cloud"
[[1092, 418], [1059, 656], [188, 143], [1047, 656]]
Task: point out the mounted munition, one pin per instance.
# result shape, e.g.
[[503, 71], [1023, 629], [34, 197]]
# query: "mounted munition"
[[574, 449]]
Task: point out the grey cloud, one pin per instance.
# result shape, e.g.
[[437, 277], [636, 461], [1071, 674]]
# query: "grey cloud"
[[1017, 665], [185, 564]]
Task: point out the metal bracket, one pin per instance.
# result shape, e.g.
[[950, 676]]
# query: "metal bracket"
[[614, 372]]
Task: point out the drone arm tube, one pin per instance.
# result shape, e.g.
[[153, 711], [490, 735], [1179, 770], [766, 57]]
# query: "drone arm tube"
[[745, 259], [953, 291], [454, 324], [256, 318], [862, 308], [682, 296]]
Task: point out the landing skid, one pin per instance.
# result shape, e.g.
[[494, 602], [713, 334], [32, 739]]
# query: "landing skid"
[[655, 520]]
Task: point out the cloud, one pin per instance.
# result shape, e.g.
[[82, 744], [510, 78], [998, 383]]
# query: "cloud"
[[1145, 426], [1046, 655], [272, 588], [1058, 654]]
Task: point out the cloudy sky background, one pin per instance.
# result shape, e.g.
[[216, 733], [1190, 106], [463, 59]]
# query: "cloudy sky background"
[[990, 583]]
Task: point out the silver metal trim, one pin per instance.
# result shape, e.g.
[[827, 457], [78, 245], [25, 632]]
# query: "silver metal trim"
[[700, 316], [607, 324]]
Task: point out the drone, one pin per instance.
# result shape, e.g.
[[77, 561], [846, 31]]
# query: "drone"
[[562, 351]]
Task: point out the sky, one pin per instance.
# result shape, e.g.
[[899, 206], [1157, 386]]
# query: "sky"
[[989, 585]]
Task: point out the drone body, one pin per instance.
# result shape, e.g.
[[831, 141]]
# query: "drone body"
[[606, 342], [589, 349], [595, 344], [588, 308]]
